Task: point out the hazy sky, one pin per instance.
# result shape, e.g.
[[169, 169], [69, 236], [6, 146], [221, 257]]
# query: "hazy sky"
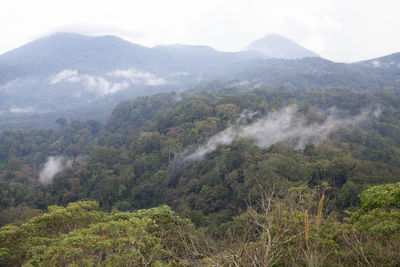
[[342, 30]]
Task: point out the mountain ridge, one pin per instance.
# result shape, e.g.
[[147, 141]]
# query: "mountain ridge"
[[277, 46], [65, 71]]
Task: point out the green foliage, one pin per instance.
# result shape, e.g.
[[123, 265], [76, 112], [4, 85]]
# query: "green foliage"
[[121, 160], [18, 215], [14, 164], [380, 211], [227, 111], [281, 229], [136, 161], [79, 235], [104, 155]]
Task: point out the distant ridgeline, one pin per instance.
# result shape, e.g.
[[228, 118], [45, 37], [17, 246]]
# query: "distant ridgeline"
[[81, 77]]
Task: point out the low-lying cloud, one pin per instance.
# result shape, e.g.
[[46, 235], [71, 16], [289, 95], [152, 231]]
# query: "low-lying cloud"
[[19, 110], [139, 77], [285, 125], [179, 74], [115, 81], [52, 167], [91, 83]]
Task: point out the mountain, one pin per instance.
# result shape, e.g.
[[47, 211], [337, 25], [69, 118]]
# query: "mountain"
[[81, 77], [62, 51], [277, 46], [200, 59], [391, 61], [304, 73], [384, 70], [317, 73], [65, 72], [386, 67]]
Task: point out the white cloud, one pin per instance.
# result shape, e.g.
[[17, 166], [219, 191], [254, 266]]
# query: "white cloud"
[[139, 77], [91, 83], [285, 125], [103, 86], [179, 74], [52, 167], [376, 63], [21, 110], [66, 75]]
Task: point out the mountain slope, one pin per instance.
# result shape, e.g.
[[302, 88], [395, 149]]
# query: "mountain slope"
[[64, 50], [276, 46], [391, 61], [95, 55], [67, 72], [64, 73]]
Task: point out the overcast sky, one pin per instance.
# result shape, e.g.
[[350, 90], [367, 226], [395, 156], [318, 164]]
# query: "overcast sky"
[[341, 30]]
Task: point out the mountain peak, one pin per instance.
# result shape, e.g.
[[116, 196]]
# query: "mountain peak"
[[277, 46]]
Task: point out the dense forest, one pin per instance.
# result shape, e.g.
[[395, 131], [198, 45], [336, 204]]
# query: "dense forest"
[[227, 177]]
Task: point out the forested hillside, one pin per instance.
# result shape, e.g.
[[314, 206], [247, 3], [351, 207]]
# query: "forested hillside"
[[279, 170]]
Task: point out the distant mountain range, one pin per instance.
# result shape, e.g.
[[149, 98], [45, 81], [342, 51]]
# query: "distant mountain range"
[[276, 46], [83, 77], [96, 55]]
